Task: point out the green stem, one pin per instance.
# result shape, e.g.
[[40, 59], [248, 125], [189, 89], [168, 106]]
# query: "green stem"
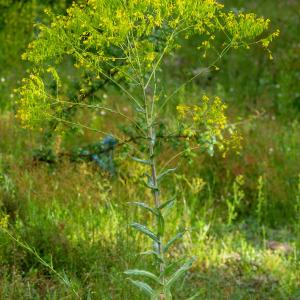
[[156, 192]]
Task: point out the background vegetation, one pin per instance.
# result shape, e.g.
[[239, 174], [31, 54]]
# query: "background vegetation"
[[242, 209]]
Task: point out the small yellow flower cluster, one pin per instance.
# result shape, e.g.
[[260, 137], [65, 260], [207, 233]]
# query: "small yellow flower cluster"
[[266, 42], [244, 27], [240, 180], [210, 114], [33, 105], [4, 221], [208, 123], [197, 185], [182, 110]]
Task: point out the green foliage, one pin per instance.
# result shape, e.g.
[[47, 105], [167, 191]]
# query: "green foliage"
[[17, 29], [237, 197], [106, 37], [207, 123], [116, 37], [261, 200]]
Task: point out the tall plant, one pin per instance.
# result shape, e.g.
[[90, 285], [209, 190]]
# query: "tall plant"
[[131, 43]]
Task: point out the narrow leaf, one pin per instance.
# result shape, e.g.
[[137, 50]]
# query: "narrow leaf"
[[165, 173], [142, 161], [167, 204], [146, 231], [149, 178], [143, 273], [179, 273], [173, 240], [160, 224], [151, 186], [145, 206], [144, 287], [156, 255], [170, 268]]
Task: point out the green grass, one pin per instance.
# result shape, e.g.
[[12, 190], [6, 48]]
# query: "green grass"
[[77, 218]]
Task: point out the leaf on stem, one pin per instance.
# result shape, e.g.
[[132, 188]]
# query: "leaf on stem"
[[165, 173], [152, 186], [167, 204], [156, 255], [173, 240], [142, 161], [170, 268], [144, 287], [160, 224], [144, 273], [143, 229], [180, 272], [145, 206]]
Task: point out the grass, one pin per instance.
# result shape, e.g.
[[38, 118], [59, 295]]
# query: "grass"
[[76, 219]]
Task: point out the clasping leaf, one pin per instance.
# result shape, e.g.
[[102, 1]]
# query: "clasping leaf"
[[179, 273], [144, 287], [173, 240], [143, 273], [146, 231], [163, 174], [145, 206], [142, 161]]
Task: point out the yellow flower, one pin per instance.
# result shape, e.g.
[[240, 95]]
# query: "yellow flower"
[[4, 221]]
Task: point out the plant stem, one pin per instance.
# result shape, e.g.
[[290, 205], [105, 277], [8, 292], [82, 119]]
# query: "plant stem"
[[156, 191]]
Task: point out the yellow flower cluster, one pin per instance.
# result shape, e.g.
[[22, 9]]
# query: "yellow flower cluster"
[[244, 26], [4, 221], [133, 38], [208, 123], [33, 105], [210, 114]]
